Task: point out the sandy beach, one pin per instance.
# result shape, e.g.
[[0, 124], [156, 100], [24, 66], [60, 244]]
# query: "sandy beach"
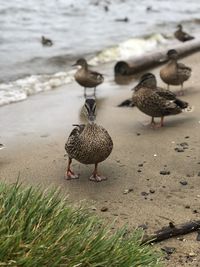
[[35, 131]]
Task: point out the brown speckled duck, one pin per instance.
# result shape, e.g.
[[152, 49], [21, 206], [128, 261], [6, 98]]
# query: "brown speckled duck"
[[88, 144], [155, 101], [175, 73], [181, 35], [85, 77]]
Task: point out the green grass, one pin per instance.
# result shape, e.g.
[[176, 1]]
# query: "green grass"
[[42, 229]]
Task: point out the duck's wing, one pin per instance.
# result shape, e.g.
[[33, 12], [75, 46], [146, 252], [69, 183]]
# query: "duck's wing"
[[77, 130], [165, 106], [186, 36], [96, 75], [75, 133], [182, 66], [167, 94], [183, 70]]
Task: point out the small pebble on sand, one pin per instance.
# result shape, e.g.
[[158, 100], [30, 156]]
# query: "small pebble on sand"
[[178, 149], [152, 191], [144, 193], [183, 182], [165, 172], [103, 209]]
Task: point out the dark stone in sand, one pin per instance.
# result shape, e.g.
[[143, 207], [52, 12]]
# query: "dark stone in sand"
[[187, 206], [144, 194], [139, 171], [140, 165], [184, 144], [138, 134], [168, 250], [103, 209], [186, 137], [178, 149], [152, 191], [198, 235], [183, 182], [165, 172], [126, 103]]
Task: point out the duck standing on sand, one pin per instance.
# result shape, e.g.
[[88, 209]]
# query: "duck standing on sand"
[[46, 42], [175, 73], [88, 144], [155, 101], [181, 35], [85, 77]]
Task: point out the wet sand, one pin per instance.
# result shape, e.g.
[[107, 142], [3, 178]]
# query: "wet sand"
[[35, 131]]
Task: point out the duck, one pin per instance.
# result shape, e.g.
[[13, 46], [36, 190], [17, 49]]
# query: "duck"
[[46, 42], [156, 101], [175, 73], [88, 144], [86, 77], [181, 35]]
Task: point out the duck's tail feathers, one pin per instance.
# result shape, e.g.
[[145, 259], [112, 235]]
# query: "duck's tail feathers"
[[182, 104], [189, 109]]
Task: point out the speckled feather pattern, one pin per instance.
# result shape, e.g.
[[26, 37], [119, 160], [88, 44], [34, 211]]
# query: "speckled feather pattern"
[[149, 102], [175, 73], [89, 144]]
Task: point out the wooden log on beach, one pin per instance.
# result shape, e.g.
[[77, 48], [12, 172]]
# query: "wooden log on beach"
[[172, 231], [137, 64]]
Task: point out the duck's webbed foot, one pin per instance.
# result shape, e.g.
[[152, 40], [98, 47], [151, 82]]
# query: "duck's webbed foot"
[[96, 177], [71, 175], [157, 125]]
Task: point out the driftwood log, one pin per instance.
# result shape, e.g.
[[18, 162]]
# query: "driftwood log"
[[137, 64], [172, 231]]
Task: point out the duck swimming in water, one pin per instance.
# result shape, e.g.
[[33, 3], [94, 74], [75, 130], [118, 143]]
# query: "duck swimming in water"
[[46, 42], [88, 144]]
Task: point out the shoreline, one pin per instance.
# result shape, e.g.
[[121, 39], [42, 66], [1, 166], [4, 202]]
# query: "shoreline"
[[35, 131]]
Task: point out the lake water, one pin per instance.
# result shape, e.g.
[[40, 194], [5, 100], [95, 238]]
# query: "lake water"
[[79, 28]]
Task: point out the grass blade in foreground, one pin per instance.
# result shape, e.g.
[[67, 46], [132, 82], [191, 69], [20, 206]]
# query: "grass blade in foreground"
[[42, 229]]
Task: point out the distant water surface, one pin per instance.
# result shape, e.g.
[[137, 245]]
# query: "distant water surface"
[[79, 28]]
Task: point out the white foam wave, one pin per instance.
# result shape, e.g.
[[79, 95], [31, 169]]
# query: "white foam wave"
[[129, 48], [22, 88]]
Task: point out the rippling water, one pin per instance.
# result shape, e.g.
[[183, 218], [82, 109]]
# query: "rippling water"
[[77, 28]]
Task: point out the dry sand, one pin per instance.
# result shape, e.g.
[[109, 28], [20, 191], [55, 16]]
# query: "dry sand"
[[35, 131]]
